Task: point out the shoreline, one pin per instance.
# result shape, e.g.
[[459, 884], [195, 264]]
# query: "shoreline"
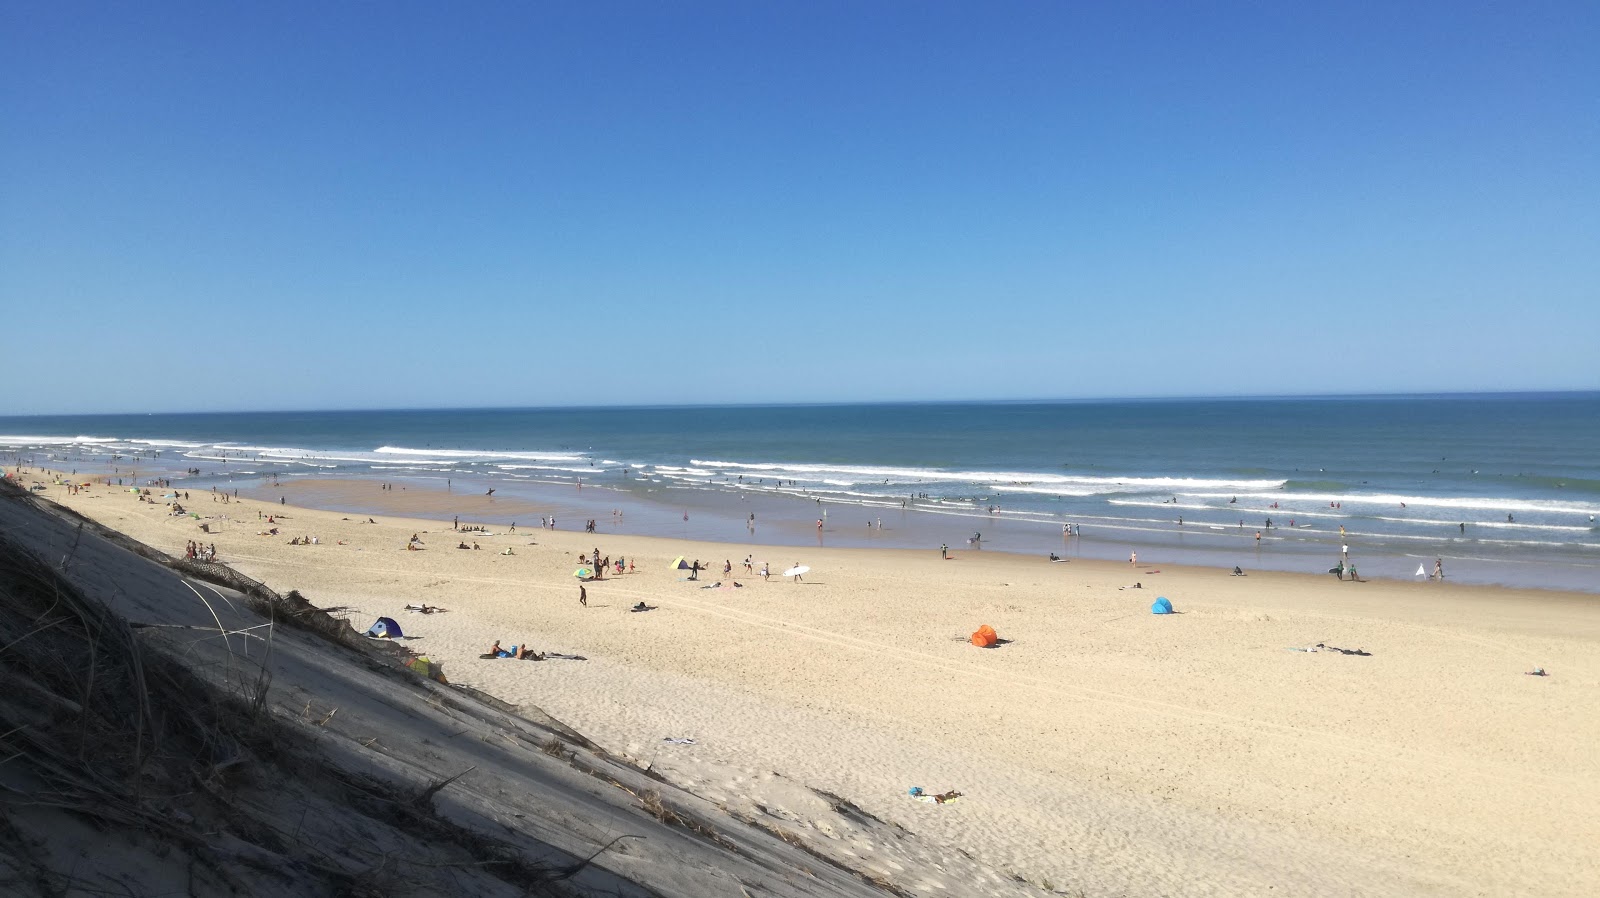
[[713, 522], [911, 489], [1099, 730]]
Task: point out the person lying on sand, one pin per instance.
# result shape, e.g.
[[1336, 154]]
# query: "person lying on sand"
[[1320, 647], [426, 609], [642, 607], [942, 798], [1134, 586]]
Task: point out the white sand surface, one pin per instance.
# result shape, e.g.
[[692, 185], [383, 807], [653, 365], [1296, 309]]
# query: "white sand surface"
[[1103, 748]]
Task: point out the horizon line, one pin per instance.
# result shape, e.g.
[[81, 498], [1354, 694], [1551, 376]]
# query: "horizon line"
[[1086, 400]]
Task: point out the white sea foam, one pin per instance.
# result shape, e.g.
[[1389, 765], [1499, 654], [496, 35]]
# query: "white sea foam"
[[586, 470], [486, 454], [1394, 500], [24, 440], [900, 475], [173, 444]]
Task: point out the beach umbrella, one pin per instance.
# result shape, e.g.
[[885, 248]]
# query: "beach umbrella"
[[1421, 572], [583, 573], [796, 571]]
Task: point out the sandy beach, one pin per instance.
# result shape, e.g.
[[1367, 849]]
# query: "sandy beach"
[[1099, 748]]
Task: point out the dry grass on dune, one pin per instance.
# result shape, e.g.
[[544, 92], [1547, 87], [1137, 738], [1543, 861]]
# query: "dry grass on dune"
[[97, 727]]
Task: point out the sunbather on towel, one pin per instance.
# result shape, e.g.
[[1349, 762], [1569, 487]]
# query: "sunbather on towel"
[[523, 653]]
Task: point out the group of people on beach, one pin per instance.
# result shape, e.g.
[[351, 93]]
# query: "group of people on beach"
[[199, 552]]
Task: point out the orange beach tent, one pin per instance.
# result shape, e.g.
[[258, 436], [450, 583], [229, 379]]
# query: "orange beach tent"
[[985, 636]]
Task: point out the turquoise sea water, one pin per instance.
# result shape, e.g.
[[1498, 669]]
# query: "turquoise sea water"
[[1503, 487]]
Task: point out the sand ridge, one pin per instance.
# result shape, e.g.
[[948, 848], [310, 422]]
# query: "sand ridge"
[[1103, 747]]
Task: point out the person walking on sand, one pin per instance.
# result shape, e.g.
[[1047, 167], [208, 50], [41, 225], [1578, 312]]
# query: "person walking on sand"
[[583, 596], [766, 571], [1133, 557], [1438, 569], [798, 577]]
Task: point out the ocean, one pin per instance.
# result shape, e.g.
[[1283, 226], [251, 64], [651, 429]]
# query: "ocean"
[[1504, 488]]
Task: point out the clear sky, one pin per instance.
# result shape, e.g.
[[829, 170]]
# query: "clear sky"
[[217, 206]]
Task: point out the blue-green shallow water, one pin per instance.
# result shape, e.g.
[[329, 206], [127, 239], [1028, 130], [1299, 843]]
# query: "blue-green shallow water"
[[1403, 475]]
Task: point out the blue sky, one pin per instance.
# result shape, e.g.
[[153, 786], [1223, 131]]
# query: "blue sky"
[[257, 206]]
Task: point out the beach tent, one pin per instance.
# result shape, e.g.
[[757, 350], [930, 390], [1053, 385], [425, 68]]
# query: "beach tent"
[[1161, 606], [985, 636], [385, 628], [432, 671], [680, 564], [1421, 572]]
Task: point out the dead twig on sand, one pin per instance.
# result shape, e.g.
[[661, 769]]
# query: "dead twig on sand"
[[426, 798]]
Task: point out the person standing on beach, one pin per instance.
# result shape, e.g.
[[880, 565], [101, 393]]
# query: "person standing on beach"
[[1133, 557], [1438, 569], [694, 570], [944, 551], [583, 596], [798, 577], [727, 568]]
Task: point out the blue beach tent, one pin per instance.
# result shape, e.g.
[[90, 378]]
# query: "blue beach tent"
[[385, 628], [1161, 606]]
